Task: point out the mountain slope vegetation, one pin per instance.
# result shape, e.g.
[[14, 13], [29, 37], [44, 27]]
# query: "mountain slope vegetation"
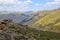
[[41, 25], [14, 31], [36, 16], [50, 22]]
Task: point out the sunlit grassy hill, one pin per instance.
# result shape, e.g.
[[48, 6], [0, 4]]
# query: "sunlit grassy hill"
[[50, 22], [37, 16]]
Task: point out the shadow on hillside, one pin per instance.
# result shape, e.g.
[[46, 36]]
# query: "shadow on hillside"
[[14, 30]]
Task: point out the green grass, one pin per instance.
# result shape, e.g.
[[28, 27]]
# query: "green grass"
[[37, 34], [50, 22]]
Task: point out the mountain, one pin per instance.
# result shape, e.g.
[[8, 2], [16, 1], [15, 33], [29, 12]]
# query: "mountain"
[[50, 22], [28, 18], [40, 25], [34, 16], [15, 31], [16, 16]]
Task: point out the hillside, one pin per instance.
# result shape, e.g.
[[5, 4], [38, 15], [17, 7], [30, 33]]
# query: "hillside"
[[50, 22], [28, 18], [14, 31], [40, 25], [36, 16]]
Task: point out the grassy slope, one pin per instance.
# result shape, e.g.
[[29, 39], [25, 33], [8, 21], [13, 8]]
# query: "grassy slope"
[[49, 22], [31, 33], [38, 15], [13, 30]]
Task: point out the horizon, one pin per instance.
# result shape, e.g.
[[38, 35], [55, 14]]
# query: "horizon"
[[30, 11], [28, 5]]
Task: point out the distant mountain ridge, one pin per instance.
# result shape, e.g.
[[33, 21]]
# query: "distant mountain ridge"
[[16, 16]]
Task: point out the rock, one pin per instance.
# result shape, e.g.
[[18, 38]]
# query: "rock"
[[2, 26]]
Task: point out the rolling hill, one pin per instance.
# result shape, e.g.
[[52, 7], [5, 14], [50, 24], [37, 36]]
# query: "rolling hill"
[[26, 18], [41, 25], [50, 22], [35, 17], [15, 31]]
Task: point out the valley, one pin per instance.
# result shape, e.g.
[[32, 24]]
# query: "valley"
[[40, 25]]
